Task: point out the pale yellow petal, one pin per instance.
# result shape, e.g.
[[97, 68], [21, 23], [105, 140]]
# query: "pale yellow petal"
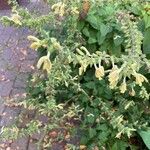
[[82, 147], [35, 45], [45, 63], [123, 87], [16, 19], [33, 38], [132, 92], [99, 72], [40, 62], [140, 79]]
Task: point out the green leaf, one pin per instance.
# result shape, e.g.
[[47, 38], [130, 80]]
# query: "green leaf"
[[102, 127], [146, 42], [92, 132], [100, 38], [80, 25], [90, 85], [90, 119], [118, 40], [145, 135], [119, 145], [92, 40], [86, 32], [109, 10], [147, 21], [104, 29], [93, 20]]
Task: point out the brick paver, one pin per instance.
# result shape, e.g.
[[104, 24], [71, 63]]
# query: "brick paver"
[[17, 61]]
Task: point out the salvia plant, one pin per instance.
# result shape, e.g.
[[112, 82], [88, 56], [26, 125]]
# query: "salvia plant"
[[94, 67]]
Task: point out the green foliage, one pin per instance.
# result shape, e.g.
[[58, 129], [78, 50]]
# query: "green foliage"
[[146, 137], [95, 68]]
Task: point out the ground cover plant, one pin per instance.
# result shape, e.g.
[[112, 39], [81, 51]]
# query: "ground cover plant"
[[95, 65]]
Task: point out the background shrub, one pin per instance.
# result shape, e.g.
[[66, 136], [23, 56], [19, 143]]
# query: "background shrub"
[[94, 57]]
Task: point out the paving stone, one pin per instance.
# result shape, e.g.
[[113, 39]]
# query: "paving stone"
[[12, 42], [21, 53], [18, 93], [9, 116], [32, 146], [11, 75], [32, 55], [4, 37], [21, 82], [4, 144], [5, 88], [20, 144], [3, 64], [16, 62], [43, 119], [7, 54], [37, 136], [2, 106], [27, 66], [58, 146], [8, 31]]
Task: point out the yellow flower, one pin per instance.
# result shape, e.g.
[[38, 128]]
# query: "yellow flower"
[[113, 77], [75, 11], [123, 87], [36, 42], [132, 92], [35, 45], [33, 38], [59, 8], [140, 79], [16, 19], [62, 10], [56, 44], [81, 70], [82, 147], [99, 72], [56, 5], [45, 63]]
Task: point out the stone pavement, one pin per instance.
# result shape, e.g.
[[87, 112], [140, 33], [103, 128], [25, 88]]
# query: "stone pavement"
[[16, 63]]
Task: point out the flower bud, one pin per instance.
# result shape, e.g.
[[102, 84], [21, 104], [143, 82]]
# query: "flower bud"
[[123, 87], [113, 77], [132, 92], [99, 72], [45, 63], [140, 79]]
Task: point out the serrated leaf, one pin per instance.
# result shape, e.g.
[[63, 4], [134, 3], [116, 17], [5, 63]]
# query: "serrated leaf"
[[146, 42], [90, 119], [100, 38], [119, 145], [86, 32], [92, 40], [104, 29], [93, 20], [81, 25], [147, 21], [118, 40], [145, 135], [90, 85], [92, 132]]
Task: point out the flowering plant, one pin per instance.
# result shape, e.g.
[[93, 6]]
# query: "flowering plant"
[[96, 59]]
